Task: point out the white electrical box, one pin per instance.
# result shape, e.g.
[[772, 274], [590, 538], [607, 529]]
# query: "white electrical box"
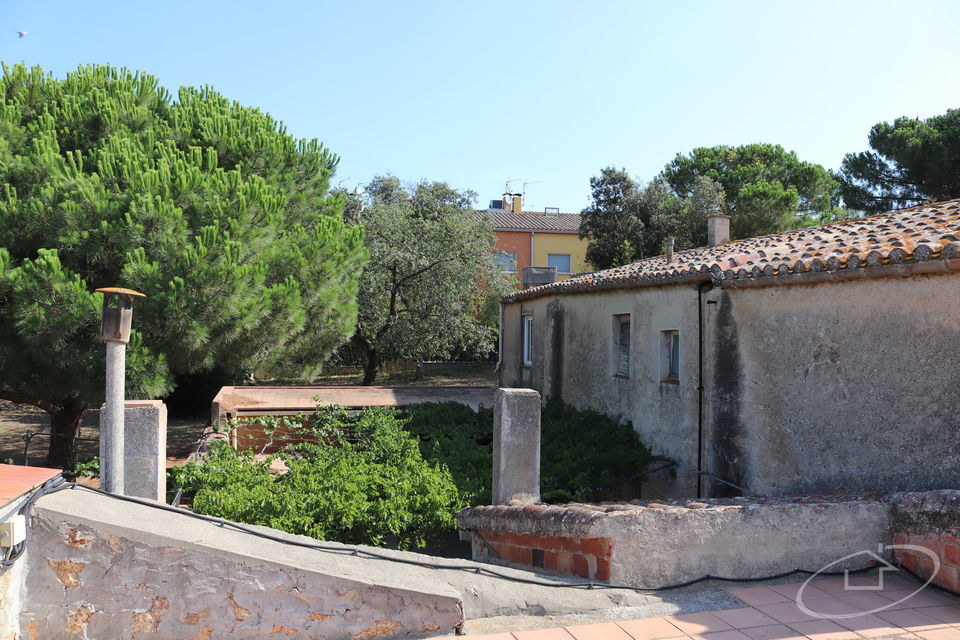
[[13, 531]]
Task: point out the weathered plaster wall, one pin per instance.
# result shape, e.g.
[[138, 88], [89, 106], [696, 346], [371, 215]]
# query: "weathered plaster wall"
[[100, 568], [836, 386], [648, 545], [582, 326]]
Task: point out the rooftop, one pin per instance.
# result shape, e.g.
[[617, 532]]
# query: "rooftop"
[[925, 233], [534, 221]]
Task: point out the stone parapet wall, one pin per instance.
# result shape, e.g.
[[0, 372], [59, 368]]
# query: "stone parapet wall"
[[651, 544], [930, 520]]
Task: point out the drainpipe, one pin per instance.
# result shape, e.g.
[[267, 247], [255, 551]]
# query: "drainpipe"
[[500, 349], [701, 287]]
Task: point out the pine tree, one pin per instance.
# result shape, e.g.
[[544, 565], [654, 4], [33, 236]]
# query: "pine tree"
[[207, 206]]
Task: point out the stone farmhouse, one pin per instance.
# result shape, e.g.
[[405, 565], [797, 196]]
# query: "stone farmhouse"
[[822, 360]]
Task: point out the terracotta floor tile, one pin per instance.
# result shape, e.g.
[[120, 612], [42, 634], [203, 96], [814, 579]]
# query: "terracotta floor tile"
[[790, 590], [948, 614], [492, 636], [911, 619], [744, 618], [870, 626], [691, 623], [733, 634], [824, 630], [759, 595], [928, 598], [773, 632], [828, 608], [871, 602], [602, 631], [543, 634], [785, 613], [650, 629], [946, 633]]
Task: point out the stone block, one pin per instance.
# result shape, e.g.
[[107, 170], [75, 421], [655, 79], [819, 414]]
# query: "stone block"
[[145, 449], [516, 446]]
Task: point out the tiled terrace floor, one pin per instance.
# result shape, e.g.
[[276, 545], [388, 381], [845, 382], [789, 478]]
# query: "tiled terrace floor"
[[772, 613]]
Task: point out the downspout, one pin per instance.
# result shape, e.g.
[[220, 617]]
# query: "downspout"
[[500, 348], [700, 387]]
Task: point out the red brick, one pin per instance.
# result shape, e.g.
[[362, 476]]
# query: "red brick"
[[491, 536], [525, 556], [603, 569], [565, 562], [580, 566], [600, 547], [513, 553], [948, 577], [550, 559], [907, 558], [570, 544], [951, 554], [900, 538]]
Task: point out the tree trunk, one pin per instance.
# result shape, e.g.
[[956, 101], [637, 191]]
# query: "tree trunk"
[[372, 366], [420, 375], [64, 432]]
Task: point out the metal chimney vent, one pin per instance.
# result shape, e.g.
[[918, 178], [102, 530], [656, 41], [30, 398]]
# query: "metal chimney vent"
[[536, 276]]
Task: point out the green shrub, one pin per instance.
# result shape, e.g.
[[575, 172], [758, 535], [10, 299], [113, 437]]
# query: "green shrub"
[[375, 490], [584, 455]]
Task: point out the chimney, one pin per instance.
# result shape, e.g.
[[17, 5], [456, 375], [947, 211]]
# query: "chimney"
[[670, 249], [517, 203], [718, 230]]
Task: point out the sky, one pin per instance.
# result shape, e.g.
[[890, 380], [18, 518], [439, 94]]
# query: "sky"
[[543, 93]]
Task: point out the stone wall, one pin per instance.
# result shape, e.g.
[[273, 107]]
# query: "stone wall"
[[648, 545], [101, 568], [932, 521]]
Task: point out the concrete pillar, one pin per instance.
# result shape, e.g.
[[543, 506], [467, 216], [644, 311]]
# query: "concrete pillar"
[[111, 420], [516, 446], [145, 449]]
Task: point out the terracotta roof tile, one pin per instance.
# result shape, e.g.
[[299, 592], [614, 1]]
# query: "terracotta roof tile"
[[533, 221], [919, 234]]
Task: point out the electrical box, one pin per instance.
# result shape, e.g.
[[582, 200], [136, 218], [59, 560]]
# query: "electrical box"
[[13, 531]]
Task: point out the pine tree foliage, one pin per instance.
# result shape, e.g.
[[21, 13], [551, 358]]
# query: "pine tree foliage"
[[207, 206], [912, 161]]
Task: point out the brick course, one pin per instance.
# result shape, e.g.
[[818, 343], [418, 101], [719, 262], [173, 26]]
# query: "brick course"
[[930, 520], [587, 557]]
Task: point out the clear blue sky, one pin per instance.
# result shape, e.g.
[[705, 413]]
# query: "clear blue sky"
[[474, 93]]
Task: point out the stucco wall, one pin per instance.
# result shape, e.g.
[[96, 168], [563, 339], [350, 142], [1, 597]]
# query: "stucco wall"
[[836, 386], [664, 414]]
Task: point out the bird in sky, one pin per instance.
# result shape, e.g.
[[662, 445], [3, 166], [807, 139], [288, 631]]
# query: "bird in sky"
[[20, 33]]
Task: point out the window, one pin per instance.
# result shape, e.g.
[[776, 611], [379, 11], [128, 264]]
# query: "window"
[[506, 261], [528, 340], [670, 356], [559, 260], [621, 345]]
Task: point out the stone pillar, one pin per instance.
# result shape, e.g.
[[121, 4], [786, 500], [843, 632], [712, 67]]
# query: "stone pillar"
[[111, 420], [516, 446], [145, 449]]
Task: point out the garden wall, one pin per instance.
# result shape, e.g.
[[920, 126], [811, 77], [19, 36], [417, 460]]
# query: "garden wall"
[[648, 544]]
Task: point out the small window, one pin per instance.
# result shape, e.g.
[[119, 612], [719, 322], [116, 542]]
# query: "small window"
[[670, 356], [621, 345], [506, 261], [559, 260], [528, 340]]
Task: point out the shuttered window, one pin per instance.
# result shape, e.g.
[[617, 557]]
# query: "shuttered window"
[[621, 336]]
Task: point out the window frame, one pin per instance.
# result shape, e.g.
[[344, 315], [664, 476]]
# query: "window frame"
[[670, 356], [569, 258], [512, 258], [526, 339], [619, 320]]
